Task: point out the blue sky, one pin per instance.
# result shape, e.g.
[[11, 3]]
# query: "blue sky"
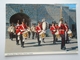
[[71, 6]]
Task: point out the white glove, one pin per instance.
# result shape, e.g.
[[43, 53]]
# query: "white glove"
[[22, 30], [54, 30], [39, 30], [44, 31], [18, 33]]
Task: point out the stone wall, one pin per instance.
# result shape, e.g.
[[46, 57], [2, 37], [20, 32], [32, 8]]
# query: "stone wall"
[[72, 18]]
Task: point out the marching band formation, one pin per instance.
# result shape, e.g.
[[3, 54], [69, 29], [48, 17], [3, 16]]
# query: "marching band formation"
[[22, 32]]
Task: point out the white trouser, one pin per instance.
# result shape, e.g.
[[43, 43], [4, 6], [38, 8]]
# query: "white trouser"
[[65, 35], [23, 39], [40, 39]]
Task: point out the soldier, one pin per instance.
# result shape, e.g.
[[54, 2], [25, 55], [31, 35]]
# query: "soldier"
[[38, 30], [11, 31], [62, 30], [66, 33], [17, 27], [57, 29], [53, 30], [43, 26], [23, 27], [33, 30], [29, 31]]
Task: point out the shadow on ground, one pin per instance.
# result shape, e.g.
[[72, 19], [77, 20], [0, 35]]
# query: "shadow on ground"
[[72, 48]]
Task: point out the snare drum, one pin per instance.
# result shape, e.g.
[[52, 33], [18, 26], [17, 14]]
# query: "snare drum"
[[25, 34], [57, 35], [70, 33], [42, 35]]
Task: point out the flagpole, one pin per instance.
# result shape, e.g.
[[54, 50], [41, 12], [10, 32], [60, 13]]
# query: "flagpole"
[[61, 12]]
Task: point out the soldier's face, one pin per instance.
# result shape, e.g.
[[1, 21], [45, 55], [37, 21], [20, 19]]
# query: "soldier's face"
[[38, 24], [56, 24], [65, 24], [61, 21], [22, 22], [52, 24]]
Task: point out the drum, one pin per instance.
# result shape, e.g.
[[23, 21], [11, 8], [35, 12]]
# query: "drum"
[[70, 33], [44, 24], [42, 34], [25, 34], [57, 35]]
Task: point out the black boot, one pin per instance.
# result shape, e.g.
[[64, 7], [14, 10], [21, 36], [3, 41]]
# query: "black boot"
[[39, 43], [22, 44], [12, 39], [43, 40], [67, 41], [17, 42], [64, 48], [54, 42]]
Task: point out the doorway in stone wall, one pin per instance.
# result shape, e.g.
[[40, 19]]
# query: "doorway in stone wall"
[[20, 16]]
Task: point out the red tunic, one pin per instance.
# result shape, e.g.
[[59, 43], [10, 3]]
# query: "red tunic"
[[22, 28], [57, 27], [38, 29], [62, 29], [17, 29], [41, 25], [53, 29], [67, 28]]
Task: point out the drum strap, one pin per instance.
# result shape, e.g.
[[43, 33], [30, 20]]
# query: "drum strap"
[[23, 26]]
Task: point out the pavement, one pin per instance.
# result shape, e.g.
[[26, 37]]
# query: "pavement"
[[31, 46]]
